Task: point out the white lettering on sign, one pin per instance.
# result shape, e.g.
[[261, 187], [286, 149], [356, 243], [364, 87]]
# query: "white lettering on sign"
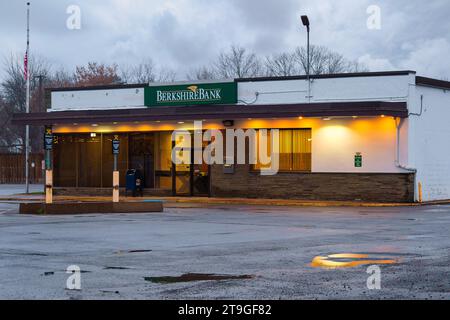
[[189, 95]]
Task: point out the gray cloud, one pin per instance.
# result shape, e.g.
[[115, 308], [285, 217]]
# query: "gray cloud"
[[184, 34]]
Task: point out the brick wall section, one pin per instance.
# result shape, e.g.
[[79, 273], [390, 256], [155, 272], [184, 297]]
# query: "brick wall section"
[[377, 187]]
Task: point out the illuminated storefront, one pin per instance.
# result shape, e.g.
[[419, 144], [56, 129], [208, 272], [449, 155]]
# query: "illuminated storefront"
[[344, 137]]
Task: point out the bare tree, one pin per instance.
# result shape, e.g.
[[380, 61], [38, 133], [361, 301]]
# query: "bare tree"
[[201, 73], [61, 78], [166, 75], [13, 91], [325, 61], [96, 74], [283, 64], [143, 72], [237, 63], [146, 72]]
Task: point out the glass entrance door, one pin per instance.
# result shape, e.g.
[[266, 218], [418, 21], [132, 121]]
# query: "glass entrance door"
[[191, 179]]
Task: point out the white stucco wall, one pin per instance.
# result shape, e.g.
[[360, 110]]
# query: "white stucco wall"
[[97, 99], [429, 149], [383, 88]]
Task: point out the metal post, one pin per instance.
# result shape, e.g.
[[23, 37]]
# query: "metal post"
[[27, 108], [115, 162], [115, 151], [48, 146], [308, 66]]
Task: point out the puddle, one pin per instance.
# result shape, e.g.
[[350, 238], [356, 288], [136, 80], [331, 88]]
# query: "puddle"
[[189, 277], [350, 260]]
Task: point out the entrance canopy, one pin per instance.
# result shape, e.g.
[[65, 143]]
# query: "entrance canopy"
[[228, 112]]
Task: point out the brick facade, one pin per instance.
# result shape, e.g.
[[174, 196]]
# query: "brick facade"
[[377, 187]]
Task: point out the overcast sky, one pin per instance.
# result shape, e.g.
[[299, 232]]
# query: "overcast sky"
[[182, 34]]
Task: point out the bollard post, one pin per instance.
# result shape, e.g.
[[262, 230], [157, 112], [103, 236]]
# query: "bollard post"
[[48, 146], [115, 151]]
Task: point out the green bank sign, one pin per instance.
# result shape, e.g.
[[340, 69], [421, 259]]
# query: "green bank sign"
[[179, 95]]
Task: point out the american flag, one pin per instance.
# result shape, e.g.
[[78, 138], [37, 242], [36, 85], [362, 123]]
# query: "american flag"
[[25, 68]]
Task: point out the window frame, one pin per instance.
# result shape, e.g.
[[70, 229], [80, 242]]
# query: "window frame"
[[254, 170]]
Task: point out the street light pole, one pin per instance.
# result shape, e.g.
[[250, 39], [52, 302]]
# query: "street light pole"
[[27, 106], [305, 22]]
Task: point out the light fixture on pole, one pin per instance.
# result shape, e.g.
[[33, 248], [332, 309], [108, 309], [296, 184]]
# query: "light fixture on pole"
[[305, 22]]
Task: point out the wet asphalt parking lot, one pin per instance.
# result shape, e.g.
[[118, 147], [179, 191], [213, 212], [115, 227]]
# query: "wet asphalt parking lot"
[[233, 252]]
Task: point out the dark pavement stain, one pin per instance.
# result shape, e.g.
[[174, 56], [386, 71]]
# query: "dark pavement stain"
[[132, 251], [189, 277], [108, 291]]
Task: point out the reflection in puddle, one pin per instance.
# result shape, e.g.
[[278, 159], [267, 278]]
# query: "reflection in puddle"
[[349, 260]]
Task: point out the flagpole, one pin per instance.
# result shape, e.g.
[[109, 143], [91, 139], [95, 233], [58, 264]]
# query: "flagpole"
[[27, 107]]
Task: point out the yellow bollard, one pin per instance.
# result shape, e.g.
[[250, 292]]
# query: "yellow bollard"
[[48, 186], [116, 186], [420, 192]]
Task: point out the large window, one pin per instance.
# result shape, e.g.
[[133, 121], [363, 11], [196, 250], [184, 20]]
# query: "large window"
[[294, 149]]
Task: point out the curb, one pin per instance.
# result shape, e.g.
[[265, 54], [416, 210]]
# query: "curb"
[[234, 201]]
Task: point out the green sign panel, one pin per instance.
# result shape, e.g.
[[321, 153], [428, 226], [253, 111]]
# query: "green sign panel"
[[358, 160], [190, 94]]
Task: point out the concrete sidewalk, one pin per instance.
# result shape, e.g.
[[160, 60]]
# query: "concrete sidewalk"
[[19, 189], [204, 201]]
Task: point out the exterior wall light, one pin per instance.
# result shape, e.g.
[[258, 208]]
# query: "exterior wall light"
[[228, 123]]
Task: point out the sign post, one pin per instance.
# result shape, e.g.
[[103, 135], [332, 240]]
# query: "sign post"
[[115, 151], [48, 147]]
